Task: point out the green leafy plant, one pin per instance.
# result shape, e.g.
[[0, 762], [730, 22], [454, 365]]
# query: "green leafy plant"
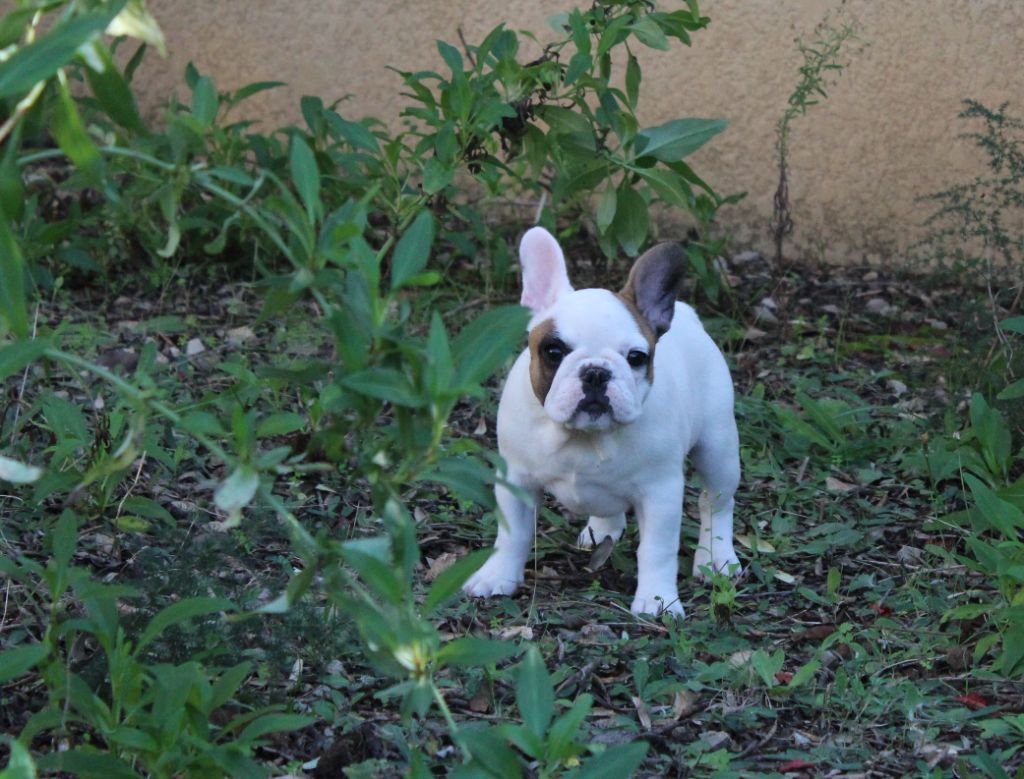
[[149, 718], [820, 59]]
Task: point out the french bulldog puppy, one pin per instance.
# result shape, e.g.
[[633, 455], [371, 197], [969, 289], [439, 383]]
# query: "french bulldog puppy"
[[601, 409]]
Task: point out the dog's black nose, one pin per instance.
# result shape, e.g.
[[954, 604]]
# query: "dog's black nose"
[[594, 378]]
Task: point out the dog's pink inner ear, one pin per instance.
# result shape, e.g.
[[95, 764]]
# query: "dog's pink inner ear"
[[544, 276]]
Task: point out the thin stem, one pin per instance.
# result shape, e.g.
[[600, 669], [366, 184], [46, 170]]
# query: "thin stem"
[[453, 728]]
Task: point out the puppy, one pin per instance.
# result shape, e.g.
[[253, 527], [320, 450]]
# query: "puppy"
[[612, 392]]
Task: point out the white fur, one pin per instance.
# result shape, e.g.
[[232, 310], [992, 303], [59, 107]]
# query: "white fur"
[[633, 460]]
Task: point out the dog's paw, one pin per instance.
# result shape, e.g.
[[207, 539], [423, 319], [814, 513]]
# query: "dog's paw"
[[658, 603], [724, 561], [597, 530], [497, 576]]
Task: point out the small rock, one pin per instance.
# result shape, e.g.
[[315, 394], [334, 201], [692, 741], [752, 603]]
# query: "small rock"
[[896, 386], [870, 276], [239, 335], [194, 347], [830, 308], [524, 632], [764, 314], [909, 554], [880, 307], [715, 738], [745, 258], [770, 304], [936, 324], [753, 334]]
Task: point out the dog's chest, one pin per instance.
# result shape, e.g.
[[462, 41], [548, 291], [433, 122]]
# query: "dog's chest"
[[595, 476]]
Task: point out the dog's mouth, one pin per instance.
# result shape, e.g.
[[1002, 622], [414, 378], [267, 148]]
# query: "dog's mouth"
[[594, 407]]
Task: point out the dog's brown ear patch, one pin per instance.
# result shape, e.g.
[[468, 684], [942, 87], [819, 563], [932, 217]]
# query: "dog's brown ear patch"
[[542, 374], [653, 286]]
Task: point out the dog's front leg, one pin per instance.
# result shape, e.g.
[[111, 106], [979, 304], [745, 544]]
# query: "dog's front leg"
[[503, 571], [659, 516]]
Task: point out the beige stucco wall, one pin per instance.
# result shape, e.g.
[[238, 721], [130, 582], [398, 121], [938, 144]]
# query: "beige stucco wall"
[[886, 135]]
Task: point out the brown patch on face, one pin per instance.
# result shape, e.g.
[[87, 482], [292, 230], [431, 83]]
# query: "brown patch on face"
[[628, 298], [542, 373]]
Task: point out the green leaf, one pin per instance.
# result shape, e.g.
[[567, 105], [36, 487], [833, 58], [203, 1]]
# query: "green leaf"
[[578, 65], [280, 424], [20, 765], [88, 765], [649, 33], [631, 221], [451, 57], [359, 136], [466, 476], [274, 723], [804, 674], [436, 176], [114, 94], [306, 176], [669, 186], [766, 666], [13, 313], [1014, 324], [615, 763], [440, 370], [485, 343], [564, 729], [677, 139], [492, 756], [147, 507], [386, 384], [45, 56], [205, 101], [413, 250], [203, 423], [998, 513], [179, 612], [227, 684], [633, 77], [606, 206], [69, 131], [535, 694], [469, 651], [251, 89], [1013, 391], [17, 661], [237, 491], [16, 356], [453, 577]]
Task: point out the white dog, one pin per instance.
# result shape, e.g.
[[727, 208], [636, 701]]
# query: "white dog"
[[601, 410]]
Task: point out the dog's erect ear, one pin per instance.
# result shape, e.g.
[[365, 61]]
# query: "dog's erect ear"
[[654, 283], [544, 276]]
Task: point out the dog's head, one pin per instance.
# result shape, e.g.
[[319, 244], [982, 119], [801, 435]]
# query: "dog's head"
[[592, 350]]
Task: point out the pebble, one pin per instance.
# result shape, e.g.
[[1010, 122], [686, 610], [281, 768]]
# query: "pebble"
[[880, 306], [194, 347], [745, 258]]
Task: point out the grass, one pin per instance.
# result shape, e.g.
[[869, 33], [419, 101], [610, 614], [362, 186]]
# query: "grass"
[[829, 655]]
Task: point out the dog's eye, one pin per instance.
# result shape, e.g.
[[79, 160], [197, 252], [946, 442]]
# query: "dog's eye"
[[554, 352], [636, 358]]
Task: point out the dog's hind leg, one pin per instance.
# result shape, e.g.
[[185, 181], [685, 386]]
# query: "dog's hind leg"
[[716, 457]]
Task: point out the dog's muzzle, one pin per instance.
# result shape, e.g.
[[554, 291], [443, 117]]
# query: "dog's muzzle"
[[594, 382]]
